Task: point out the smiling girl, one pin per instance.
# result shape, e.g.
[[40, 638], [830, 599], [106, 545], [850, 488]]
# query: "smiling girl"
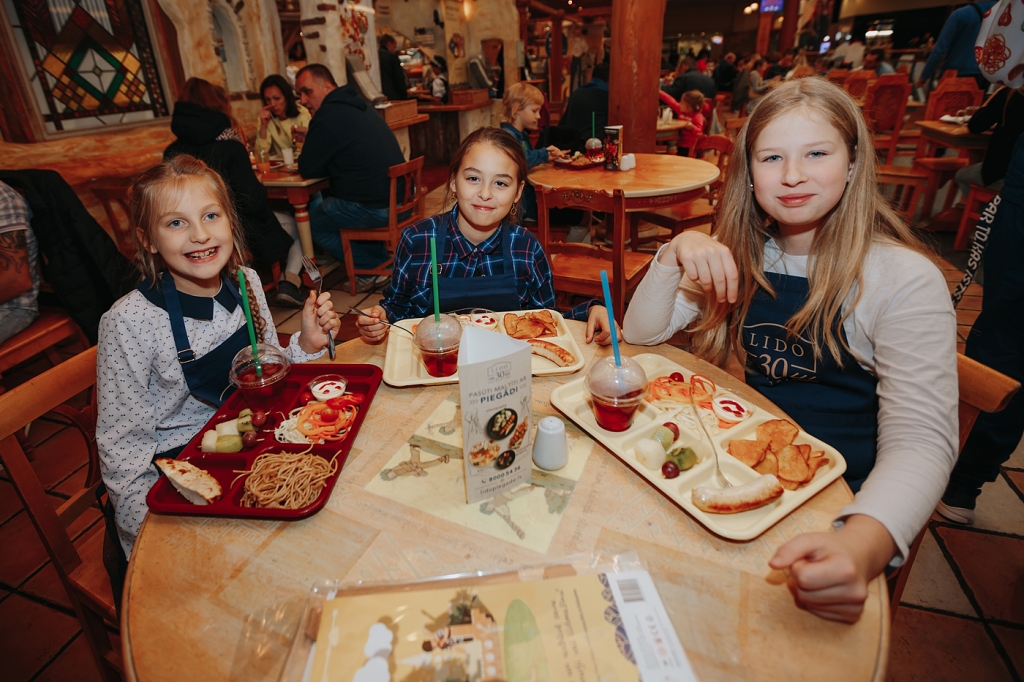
[[842, 320], [485, 259], [165, 349]]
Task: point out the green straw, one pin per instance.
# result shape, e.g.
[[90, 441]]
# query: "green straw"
[[248, 322], [611, 317], [433, 267]]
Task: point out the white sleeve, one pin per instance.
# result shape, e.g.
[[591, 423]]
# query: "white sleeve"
[[913, 333], [659, 308], [293, 351], [126, 419]]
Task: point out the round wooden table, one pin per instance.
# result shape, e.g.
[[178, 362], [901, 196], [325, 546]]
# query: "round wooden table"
[[217, 599]]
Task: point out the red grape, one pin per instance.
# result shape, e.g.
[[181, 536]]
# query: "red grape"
[[676, 376], [259, 418], [249, 438], [669, 470], [671, 427], [306, 398]]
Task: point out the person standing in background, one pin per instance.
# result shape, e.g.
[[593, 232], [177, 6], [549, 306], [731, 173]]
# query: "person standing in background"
[[955, 46], [19, 270], [392, 76], [725, 72]]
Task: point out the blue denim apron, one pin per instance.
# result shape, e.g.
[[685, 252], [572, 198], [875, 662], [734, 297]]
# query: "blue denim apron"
[[494, 292], [838, 405]]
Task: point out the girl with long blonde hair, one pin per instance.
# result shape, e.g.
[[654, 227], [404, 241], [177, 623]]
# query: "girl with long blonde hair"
[[839, 317]]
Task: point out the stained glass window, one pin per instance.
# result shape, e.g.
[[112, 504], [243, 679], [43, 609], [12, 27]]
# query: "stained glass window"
[[89, 62]]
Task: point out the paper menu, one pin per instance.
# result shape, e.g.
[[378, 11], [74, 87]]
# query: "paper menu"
[[495, 391], [599, 627]]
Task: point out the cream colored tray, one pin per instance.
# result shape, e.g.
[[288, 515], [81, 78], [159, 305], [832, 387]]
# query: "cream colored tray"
[[573, 400], [403, 366]]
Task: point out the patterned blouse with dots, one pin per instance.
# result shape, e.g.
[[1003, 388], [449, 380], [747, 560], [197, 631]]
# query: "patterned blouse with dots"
[[144, 404]]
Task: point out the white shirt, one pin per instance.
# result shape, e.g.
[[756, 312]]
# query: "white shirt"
[[903, 331], [144, 404]]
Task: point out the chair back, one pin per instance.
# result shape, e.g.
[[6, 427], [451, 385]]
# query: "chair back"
[[885, 103], [78, 564], [857, 82], [115, 204], [732, 126], [611, 203], [413, 198], [837, 76], [982, 389], [952, 95], [947, 74], [909, 186], [718, 143], [723, 103]]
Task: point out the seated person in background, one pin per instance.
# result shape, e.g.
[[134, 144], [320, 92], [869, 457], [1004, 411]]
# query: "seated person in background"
[[725, 72], [741, 85], [780, 66], [690, 107], [19, 265], [874, 60], [1004, 110], [522, 112], [392, 76], [280, 113], [590, 98], [203, 125], [351, 144], [689, 78], [485, 258], [799, 63], [758, 84]]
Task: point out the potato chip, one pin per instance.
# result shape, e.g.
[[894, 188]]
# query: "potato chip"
[[750, 452], [781, 432], [789, 485], [768, 465], [792, 465], [805, 451]]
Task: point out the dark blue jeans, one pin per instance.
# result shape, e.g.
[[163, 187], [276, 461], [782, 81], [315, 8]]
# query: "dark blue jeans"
[[996, 340], [331, 214]]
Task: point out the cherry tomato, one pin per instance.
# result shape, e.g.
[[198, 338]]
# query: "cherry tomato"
[[346, 400], [669, 470], [329, 415], [249, 438], [673, 428], [306, 398], [259, 418], [676, 376]]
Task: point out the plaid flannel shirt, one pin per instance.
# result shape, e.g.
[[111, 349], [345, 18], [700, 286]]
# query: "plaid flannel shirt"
[[408, 295]]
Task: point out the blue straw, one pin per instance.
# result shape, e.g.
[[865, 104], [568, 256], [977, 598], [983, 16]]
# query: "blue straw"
[[611, 317]]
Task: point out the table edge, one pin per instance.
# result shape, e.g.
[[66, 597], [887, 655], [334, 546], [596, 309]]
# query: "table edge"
[[306, 182]]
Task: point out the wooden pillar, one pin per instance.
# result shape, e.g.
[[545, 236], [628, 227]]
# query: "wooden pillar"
[[764, 33], [636, 64], [790, 17], [555, 67]]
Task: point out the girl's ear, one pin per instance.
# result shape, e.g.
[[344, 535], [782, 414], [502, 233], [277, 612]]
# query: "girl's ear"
[[520, 192], [451, 187], [149, 246]]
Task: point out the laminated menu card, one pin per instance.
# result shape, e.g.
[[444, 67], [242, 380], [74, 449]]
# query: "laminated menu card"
[[495, 390], [598, 627]]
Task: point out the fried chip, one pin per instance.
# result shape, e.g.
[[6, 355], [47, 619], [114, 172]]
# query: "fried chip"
[[531, 325], [789, 485], [817, 461], [792, 465], [781, 432], [768, 465], [805, 451], [750, 452]]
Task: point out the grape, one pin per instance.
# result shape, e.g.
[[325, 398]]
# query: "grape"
[[669, 470], [671, 426], [676, 376], [259, 418], [249, 439]]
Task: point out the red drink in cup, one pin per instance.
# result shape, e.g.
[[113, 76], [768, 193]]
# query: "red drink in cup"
[[261, 389], [441, 364], [616, 392], [438, 343]]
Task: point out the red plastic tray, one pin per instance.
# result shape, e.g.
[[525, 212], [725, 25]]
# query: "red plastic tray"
[[164, 499]]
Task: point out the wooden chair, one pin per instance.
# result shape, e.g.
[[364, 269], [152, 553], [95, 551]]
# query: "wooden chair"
[[723, 103], [732, 126], [576, 268], [693, 213], [982, 389], [858, 81], [977, 199], [951, 95], [412, 199], [50, 328], [115, 204], [79, 564], [909, 186], [837, 76], [885, 105]]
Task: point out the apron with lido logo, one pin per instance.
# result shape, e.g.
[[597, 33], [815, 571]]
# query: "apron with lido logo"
[[494, 292]]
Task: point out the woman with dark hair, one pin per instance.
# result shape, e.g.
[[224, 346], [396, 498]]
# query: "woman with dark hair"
[[280, 113]]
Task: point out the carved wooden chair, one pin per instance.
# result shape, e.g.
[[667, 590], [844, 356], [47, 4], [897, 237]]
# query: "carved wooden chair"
[[982, 389], [858, 81], [79, 563], [909, 186], [885, 105], [576, 268], [412, 199]]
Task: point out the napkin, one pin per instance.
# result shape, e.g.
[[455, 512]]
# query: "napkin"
[[959, 120]]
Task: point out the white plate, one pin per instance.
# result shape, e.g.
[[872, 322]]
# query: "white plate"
[[404, 367], [573, 400]]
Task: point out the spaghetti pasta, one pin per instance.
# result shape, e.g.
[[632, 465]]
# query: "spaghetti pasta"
[[286, 480]]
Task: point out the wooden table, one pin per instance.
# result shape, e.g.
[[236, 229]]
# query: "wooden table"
[[229, 592], [957, 137], [667, 133], [658, 181], [296, 189]]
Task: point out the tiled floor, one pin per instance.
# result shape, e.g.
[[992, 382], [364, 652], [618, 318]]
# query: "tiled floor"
[[962, 616]]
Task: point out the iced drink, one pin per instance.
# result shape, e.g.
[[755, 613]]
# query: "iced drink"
[[616, 392], [260, 389], [438, 343]]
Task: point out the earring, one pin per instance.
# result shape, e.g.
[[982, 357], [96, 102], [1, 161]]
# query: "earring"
[[512, 211], [751, 187]]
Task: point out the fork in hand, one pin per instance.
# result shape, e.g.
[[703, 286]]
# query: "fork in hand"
[[314, 275]]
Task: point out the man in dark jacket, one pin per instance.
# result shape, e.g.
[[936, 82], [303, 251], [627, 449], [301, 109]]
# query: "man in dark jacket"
[[725, 72], [351, 144], [591, 98], [689, 78], [392, 75]]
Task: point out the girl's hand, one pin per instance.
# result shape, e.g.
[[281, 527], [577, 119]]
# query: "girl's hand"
[[704, 261], [370, 328], [830, 572], [318, 320], [598, 328], [555, 153]]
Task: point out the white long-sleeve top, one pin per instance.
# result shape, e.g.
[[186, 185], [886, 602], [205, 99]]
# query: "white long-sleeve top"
[[144, 404], [903, 331]]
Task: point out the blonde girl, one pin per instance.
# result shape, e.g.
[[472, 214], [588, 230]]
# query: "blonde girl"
[[840, 319], [165, 349]]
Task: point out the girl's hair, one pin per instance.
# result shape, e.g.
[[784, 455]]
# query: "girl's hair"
[[291, 109], [206, 94], [695, 99], [841, 243], [152, 194], [519, 96], [500, 140]]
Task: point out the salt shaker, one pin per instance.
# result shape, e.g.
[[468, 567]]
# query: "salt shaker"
[[550, 445]]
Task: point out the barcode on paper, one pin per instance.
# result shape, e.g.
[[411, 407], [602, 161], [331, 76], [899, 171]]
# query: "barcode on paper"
[[630, 590]]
